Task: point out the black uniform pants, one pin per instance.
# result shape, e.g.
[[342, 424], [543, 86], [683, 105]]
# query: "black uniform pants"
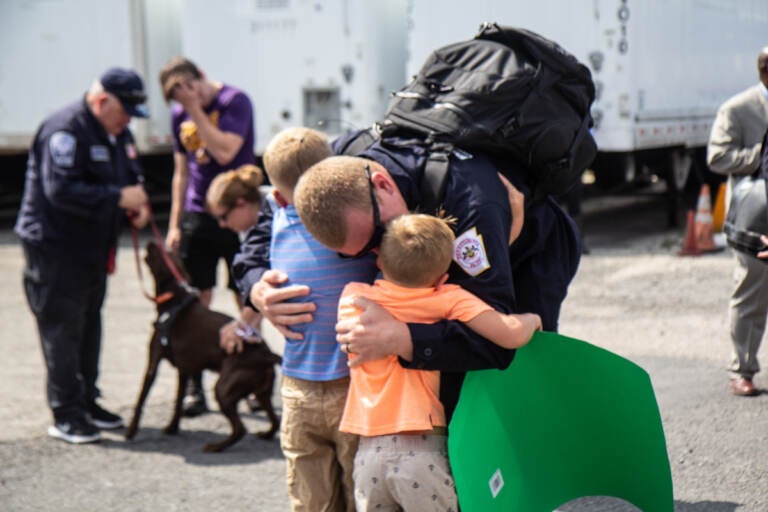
[[66, 298], [542, 275]]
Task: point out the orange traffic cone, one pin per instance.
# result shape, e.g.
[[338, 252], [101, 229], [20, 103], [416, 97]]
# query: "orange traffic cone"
[[689, 247], [702, 226], [718, 211]]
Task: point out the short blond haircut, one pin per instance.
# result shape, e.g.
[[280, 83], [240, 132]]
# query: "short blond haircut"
[[290, 153], [241, 183], [327, 191], [416, 250]]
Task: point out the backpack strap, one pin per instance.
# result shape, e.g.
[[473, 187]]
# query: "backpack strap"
[[435, 177], [359, 142], [560, 175]]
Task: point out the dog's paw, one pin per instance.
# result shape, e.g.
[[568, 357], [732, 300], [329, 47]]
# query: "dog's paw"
[[171, 430], [212, 448]]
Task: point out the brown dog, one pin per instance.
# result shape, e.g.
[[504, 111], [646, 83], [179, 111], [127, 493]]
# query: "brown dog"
[[187, 334]]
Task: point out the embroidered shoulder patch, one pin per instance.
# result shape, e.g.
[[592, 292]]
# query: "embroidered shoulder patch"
[[62, 146], [469, 253]]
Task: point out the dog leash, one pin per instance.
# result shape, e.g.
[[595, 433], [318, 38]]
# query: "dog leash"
[[163, 297]]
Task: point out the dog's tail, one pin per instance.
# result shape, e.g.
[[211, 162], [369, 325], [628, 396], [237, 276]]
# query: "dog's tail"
[[275, 359]]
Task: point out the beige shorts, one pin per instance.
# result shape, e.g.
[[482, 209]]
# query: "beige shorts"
[[318, 457]]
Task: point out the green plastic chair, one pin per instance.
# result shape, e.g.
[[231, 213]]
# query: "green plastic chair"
[[566, 420]]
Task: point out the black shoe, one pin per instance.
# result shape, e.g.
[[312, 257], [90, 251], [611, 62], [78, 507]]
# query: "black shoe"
[[75, 431], [194, 405], [104, 419]]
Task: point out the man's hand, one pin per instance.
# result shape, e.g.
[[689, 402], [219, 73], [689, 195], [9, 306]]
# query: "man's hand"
[[374, 334], [139, 218], [270, 298], [186, 95], [173, 239], [132, 197], [763, 254], [517, 205]]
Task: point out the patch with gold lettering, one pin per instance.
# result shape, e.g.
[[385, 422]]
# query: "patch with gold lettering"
[[469, 252]]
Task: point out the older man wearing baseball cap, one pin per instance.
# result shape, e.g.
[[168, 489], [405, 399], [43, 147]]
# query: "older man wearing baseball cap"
[[83, 183]]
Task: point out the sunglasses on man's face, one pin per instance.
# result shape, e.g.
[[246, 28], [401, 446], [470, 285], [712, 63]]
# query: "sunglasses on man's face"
[[378, 227]]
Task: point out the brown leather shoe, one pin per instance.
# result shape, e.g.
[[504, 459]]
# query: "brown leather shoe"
[[743, 386]]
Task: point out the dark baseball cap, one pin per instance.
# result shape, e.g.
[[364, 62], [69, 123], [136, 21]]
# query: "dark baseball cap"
[[128, 87]]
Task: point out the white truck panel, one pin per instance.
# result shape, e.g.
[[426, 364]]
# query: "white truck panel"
[[157, 24], [54, 49], [329, 65], [661, 67]]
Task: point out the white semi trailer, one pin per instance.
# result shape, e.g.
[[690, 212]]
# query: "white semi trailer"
[[661, 67]]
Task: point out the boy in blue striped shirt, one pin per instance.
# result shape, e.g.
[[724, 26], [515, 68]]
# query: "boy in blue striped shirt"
[[315, 374]]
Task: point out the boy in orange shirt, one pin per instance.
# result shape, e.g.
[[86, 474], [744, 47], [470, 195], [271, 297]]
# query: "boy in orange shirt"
[[402, 456]]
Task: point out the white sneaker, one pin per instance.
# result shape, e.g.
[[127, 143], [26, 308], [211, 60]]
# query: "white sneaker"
[[78, 431]]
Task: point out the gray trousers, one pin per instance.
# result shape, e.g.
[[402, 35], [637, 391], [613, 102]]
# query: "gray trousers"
[[747, 314]]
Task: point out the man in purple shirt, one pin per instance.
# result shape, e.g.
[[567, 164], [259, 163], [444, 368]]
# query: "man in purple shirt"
[[213, 132]]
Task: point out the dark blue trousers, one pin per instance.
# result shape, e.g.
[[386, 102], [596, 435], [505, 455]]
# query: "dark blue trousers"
[[66, 297]]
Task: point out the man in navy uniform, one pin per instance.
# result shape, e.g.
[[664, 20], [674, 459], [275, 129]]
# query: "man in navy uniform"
[[347, 212], [83, 182]]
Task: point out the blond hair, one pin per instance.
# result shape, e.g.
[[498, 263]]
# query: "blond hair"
[[416, 250], [290, 153], [327, 191], [241, 183]]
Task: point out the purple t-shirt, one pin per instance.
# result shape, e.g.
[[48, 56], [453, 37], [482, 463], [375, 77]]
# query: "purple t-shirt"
[[231, 111]]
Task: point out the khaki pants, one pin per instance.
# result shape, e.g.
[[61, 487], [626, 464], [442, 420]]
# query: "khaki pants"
[[748, 310], [404, 472], [318, 457]]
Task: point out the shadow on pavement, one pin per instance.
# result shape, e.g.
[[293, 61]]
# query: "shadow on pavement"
[[609, 504], [189, 443], [706, 506]]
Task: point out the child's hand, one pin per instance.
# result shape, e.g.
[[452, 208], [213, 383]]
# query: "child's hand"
[[533, 322], [229, 340], [536, 321]]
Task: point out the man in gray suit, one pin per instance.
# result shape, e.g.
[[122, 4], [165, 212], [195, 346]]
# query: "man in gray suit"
[[734, 149]]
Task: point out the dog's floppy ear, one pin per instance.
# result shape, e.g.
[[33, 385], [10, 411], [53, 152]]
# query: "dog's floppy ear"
[[152, 248], [151, 254]]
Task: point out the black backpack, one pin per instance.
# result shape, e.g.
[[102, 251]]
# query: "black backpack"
[[509, 93]]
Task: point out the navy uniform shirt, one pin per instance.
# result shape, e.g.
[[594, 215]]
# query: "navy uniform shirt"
[[73, 181]]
